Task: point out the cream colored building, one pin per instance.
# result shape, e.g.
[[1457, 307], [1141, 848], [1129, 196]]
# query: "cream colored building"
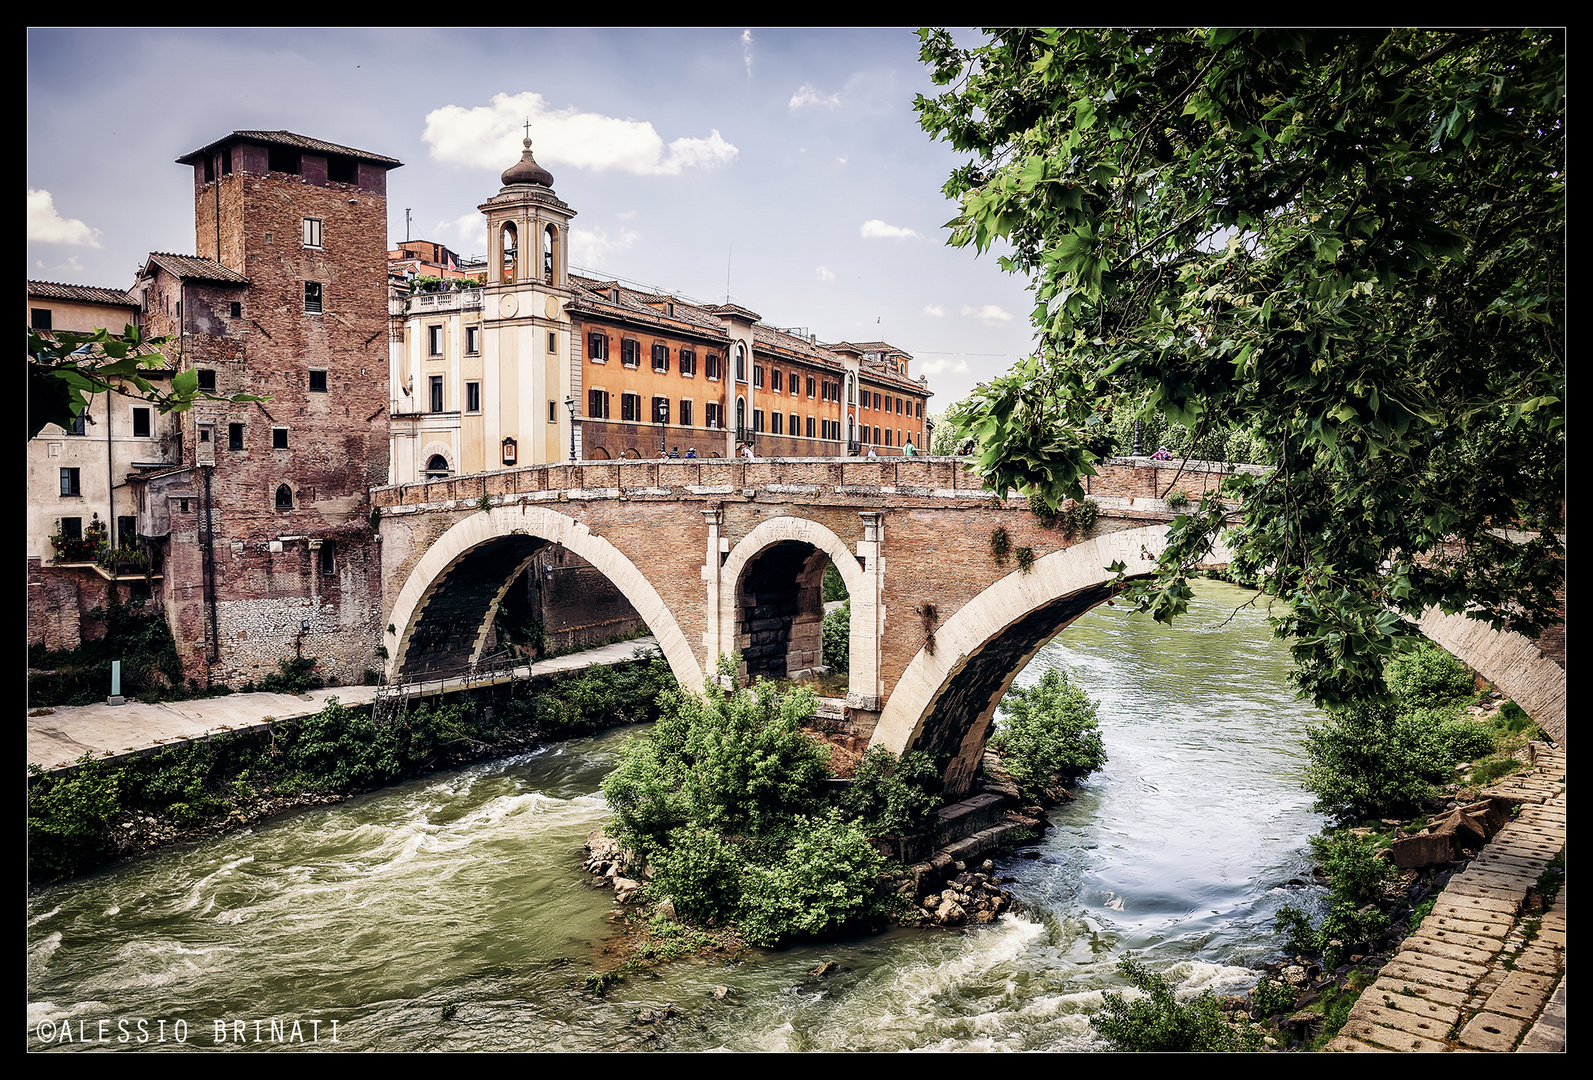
[[480, 378]]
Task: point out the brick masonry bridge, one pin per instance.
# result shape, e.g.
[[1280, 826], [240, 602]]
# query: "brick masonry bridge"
[[726, 557]]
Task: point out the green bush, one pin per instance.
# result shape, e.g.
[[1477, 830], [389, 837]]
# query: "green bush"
[[836, 635], [1358, 877], [894, 798], [1370, 760], [735, 763], [67, 816], [295, 677], [1427, 677], [1271, 997], [1159, 1023], [701, 873], [1048, 733], [828, 876], [834, 585]]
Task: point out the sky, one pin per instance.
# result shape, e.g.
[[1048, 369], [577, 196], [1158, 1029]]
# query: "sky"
[[784, 169]]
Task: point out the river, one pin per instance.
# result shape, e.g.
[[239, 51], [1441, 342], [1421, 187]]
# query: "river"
[[460, 894]]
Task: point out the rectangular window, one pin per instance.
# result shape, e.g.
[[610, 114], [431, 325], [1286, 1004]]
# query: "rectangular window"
[[713, 414], [72, 528], [660, 410], [279, 438], [434, 341], [630, 407], [436, 393], [79, 424], [757, 419], [472, 397], [328, 557], [757, 376], [473, 340], [796, 425], [312, 297], [597, 404], [776, 422], [553, 342], [811, 389], [140, 423], [810, 427], [126, 531], [630, 352], [207, 380], [553, 412], [597, 348], [312, 232], [234, 436], [919, 410], [237, 309], [71, 483], [685, 412], [688, 362], [660, 358], [317, 381], [42, 318], [876, 401], [711, 369], [775, 380]]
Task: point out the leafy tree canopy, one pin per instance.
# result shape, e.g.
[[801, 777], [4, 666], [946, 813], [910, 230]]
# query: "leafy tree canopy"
[[1349, 244], [65, 369]]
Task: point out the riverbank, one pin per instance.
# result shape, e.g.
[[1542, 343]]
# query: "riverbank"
[[59, 736]]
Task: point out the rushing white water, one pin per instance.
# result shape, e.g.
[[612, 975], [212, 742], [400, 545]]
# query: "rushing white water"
[[465, 888]]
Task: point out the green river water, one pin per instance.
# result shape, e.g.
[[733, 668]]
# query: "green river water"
[[466, 887]]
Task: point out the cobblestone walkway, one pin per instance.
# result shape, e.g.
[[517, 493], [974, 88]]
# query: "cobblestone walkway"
[[1479, 974]]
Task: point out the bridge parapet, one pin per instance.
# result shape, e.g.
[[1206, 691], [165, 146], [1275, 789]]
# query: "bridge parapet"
[[1127, 484]]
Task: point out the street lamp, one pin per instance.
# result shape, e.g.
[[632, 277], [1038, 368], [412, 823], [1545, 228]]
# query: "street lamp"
[[569, 403]]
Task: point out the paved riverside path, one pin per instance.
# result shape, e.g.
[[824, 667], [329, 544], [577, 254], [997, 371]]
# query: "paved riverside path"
[[109, 731], [1477, 974]]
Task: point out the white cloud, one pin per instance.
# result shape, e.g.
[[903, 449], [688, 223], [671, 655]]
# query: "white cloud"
[[488, 137], [875, 229], [934, 309], [466, 234], [941, 367], [590, 247], [825, 274], [49, 227], [989, 314], [806, 95], [746, 50]]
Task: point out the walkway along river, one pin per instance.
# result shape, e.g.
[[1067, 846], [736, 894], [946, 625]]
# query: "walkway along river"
[[451, 913]]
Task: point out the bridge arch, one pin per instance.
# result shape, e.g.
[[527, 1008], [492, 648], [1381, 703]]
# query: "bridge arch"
[[449, 599], [862, 633], [945, 699]]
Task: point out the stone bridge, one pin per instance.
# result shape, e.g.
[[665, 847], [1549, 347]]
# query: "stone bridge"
[[725, 557]]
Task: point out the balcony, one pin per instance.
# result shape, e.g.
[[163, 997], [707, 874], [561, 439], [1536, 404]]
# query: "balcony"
[[462, 300]]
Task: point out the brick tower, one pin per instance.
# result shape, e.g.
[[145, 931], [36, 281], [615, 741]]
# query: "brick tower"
[[269, 552]]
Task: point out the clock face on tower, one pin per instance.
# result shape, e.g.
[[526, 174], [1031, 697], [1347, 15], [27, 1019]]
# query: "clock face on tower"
[[509, 306]]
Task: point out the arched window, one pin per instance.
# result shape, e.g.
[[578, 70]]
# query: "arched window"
[[550, 244], [284, 498], [741, 416], [851, 389], [509, 242], [436, 467], [741, 363]]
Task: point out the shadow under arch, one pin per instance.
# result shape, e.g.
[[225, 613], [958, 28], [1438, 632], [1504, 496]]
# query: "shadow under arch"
[[944, 701], [445, 609], [862, 673]]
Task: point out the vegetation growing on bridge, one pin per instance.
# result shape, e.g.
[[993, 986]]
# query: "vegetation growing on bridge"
[[1346, 245]]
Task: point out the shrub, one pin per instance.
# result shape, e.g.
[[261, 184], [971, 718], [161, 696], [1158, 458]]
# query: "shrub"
[[1000, 545], [1157, 1022], [894, 798], [1369, 760], [1045, 515], [1177, 499], [700, 873], [829, 876], [295, 677], [67, 816], [836, 636], [1048, 733], [1358, 877], [1427, 677]]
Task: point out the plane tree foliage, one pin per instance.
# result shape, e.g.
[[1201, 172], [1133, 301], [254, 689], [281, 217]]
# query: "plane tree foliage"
[[1348, 244]]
